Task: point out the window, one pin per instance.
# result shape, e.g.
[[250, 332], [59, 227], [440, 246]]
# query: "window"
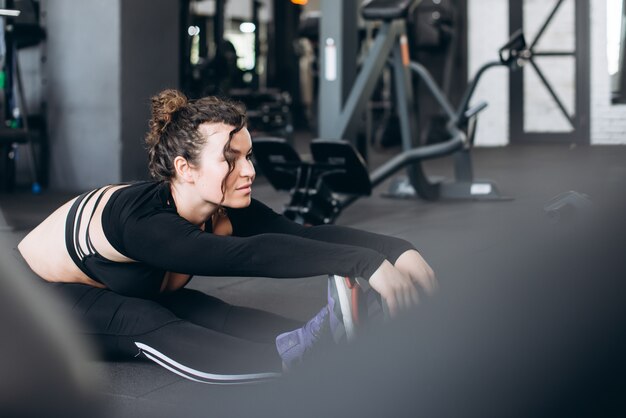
[[616, 45]]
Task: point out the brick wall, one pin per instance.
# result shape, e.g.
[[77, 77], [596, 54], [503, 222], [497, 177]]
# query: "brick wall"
[[488, 29], [541, 112]]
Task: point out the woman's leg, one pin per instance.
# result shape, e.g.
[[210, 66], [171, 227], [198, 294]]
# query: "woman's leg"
[[127, 327], [239, 321]]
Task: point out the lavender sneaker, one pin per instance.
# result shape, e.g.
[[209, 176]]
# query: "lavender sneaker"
[[352, 304], [294, 346]]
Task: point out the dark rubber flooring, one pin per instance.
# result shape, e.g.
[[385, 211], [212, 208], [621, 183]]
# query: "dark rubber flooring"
[[452, 235]]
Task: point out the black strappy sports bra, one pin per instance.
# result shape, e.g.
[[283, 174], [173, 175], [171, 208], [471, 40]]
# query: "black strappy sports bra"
[[128, 278]]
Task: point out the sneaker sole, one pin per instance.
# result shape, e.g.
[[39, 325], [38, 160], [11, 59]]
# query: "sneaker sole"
[[348, 301]]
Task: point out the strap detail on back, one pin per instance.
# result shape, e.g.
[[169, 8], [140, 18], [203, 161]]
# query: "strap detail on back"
[[90, 245], [73, 225]]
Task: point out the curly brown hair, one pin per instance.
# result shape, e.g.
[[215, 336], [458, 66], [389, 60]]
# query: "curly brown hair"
[[174, 130]]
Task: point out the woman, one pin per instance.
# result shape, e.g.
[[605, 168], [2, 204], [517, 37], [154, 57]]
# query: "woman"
[[121, 255]]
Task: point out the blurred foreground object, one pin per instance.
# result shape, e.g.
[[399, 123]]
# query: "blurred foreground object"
[[40, 356], [533, 327]]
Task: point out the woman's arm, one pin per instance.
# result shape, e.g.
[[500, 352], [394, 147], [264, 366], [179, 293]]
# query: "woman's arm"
[[258, 219], [168, 241]]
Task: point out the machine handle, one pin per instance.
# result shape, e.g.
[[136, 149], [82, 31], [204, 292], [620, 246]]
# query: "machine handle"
[[473, 111]]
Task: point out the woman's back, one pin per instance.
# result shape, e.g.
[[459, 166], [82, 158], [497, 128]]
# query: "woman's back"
[[45, 248]]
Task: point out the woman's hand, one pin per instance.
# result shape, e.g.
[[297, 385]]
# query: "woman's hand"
[[411, 264], [396, 288]]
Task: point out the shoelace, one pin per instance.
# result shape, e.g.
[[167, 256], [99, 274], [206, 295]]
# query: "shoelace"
[[315, 328]]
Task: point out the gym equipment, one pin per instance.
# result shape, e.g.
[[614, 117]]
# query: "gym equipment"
[[337, 176], [14, 115], [337, 169], [434, 40], [321, 189], [219, 73], [268, 110], [461, 122], [391, 43], [567, 206], [4, 226]]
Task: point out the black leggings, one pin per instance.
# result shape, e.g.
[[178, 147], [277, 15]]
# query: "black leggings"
[[188, 332]]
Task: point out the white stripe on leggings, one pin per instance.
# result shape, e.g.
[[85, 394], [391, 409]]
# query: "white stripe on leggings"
[[171, 369], [170, 364]]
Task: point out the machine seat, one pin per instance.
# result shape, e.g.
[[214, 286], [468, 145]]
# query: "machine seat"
[[388, 9], [344, 170], [278, 161]]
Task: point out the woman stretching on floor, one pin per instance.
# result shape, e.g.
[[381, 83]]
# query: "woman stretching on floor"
[[121, 255]]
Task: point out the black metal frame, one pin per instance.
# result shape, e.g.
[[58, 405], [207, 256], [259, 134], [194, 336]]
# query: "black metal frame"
[[580, 120], [337, 118]]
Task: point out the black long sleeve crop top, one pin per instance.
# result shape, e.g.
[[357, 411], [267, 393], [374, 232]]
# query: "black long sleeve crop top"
[[141, 222]]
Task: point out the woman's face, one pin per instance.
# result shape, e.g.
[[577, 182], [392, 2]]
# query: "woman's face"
[[214, 167]]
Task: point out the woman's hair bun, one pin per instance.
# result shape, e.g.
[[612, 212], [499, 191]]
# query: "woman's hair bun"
[[165, 104]]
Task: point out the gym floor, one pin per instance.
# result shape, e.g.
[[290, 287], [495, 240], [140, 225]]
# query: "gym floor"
[[445, 232]]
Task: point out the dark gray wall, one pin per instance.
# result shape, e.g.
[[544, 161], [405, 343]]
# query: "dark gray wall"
[[83, 87], [150, 57], [105, 59]]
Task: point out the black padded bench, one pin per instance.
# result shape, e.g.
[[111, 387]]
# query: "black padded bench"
[[336, 169]]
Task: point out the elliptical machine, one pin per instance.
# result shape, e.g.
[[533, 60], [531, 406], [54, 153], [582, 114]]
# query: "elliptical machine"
[[337, 176]]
